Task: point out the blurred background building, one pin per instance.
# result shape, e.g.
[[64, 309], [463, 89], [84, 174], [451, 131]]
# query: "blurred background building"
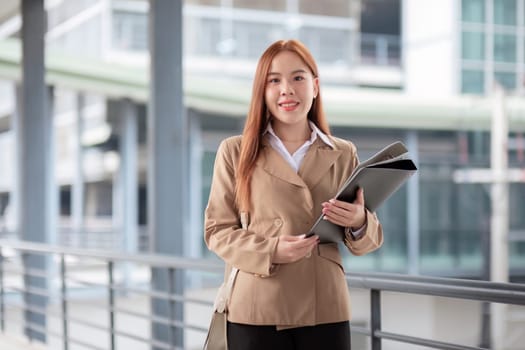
[[419, 71]]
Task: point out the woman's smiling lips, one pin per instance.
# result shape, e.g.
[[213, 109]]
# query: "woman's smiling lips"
[[288, 105]]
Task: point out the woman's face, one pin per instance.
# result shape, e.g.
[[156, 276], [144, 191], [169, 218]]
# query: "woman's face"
[[290, 89]]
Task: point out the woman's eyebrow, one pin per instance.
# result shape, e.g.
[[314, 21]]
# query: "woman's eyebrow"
[[299, 71], [293, 72]]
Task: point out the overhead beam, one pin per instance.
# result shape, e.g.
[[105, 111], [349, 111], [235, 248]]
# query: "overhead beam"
[[345, 106]]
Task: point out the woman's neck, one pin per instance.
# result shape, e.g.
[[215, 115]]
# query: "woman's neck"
[[292, 133]]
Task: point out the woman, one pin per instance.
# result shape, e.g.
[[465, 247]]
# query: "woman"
[[290, 292]]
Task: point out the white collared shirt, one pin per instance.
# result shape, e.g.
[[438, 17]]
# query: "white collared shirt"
[[296, 159]]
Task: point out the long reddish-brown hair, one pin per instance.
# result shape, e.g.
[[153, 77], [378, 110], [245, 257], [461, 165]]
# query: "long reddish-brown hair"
[[259, 116]]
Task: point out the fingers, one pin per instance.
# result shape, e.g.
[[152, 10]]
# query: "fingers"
[[344, 213], [360, 197], [292, 248], [300, 243], [337, 219], [358, 201], [300, 238], [339, 212], [337, 208]]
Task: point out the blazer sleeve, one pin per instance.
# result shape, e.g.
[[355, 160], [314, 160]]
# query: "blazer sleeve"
[[223, 234], [369, 240]]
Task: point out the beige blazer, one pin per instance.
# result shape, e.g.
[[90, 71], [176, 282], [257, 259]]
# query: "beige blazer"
[[310, 291]]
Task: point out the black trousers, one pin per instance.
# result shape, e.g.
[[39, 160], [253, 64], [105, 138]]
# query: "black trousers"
[[332, 336]]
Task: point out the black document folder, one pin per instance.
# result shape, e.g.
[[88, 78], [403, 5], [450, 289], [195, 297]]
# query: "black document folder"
[[379, 176]]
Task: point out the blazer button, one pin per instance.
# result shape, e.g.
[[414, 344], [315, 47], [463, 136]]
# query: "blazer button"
[[278, 222]]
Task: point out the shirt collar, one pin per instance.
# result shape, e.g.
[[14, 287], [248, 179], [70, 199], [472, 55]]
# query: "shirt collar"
[[313, 136]]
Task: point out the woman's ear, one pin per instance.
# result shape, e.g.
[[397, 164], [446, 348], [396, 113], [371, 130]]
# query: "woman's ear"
[[316, 86]]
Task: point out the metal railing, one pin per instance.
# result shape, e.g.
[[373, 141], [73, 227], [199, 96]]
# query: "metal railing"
[[67, 279]]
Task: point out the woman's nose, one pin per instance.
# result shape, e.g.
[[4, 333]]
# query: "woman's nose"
[[286, 89]]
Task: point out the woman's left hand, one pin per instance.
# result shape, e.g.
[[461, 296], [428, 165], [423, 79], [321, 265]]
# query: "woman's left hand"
[[346, 214]]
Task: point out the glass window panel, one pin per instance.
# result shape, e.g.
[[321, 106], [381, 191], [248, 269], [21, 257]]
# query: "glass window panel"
[[506, 79], [252, 38], [473, 11], [516, 254], [472, 81], [505, 48], [473, 45], [130, 31], [336, 8], [203, 2], [206, 38], [272, 5], [517, 203], [505, 12], [393, 216], [327, 45], [66, 10], [472, 222]]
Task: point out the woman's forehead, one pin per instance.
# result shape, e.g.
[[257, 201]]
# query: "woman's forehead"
[[287, 62]]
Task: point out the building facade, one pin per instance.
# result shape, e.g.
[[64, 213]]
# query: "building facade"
[[374, 55]]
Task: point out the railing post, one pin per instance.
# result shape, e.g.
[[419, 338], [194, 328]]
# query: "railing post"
[[111, 295], [2, 293], [65, 331], [375, 318]]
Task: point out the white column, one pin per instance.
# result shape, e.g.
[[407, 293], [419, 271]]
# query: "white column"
[[129, 175], [125, 186], [53, 210], [53, 190], [430, 29], [77, 187], [499, 260], [12, 216], [413, 226]]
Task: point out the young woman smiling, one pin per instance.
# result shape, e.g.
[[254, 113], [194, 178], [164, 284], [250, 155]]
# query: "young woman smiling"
[[291, 291]]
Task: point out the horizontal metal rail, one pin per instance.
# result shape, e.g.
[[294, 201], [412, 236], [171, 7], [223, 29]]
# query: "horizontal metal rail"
[[424, 342], [153, 260], [508, 293], [377, 283]]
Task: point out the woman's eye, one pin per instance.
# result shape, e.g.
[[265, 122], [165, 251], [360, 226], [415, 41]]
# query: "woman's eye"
[[273, 80], [299, 78]]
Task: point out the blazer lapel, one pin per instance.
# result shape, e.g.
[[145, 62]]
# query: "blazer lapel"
[[274, 164], [317, 162]]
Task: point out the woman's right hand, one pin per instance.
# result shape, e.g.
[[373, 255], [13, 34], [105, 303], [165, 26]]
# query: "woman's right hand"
[[292, 248]]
